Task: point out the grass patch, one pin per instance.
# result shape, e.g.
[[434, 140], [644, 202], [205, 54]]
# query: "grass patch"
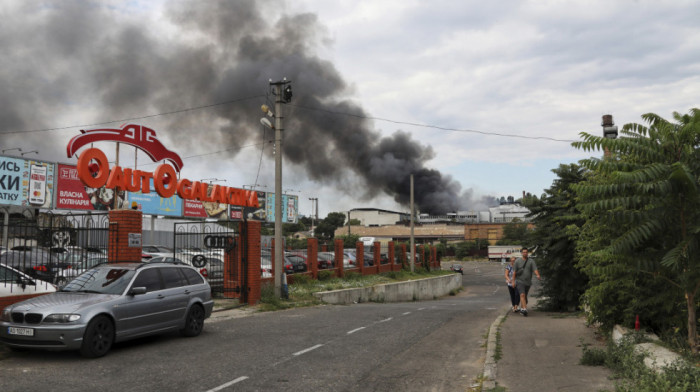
[[631, 373]]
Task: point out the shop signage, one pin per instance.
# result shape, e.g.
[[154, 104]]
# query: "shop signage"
[[94, 170]]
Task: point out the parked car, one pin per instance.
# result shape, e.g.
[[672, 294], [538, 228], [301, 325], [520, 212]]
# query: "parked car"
[[110, 303], [457, 268], [67, 274], [14, 282], [298, 262], [203, 270], [266, 260], [156, 250], [215, 273], [352, 255], [36, 262], [328, 260]]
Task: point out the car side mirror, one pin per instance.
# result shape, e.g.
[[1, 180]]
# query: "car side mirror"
[[137, 291]]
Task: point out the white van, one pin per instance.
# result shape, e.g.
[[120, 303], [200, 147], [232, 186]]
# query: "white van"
[[368, 241], [15, 283]]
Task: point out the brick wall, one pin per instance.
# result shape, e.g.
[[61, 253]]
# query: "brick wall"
[[121, 224]]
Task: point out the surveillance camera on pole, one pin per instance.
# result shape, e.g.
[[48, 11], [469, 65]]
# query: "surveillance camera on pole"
[[609, 127]]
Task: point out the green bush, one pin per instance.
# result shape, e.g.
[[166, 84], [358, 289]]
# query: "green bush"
[[325, 275], [352, 275], [628, 366], [302, 279]]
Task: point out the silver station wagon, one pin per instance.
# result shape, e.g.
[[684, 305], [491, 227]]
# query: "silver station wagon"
[[110, 303]]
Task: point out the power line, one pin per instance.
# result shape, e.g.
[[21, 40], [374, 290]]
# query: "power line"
[[433, 126], [449, 129], [140, 117]]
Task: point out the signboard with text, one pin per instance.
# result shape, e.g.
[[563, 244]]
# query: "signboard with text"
[[290, 205], [152, 203], [26, 183]]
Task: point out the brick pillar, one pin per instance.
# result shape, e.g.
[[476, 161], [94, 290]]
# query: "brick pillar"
[[252, 230], [312, 256], [339, 258], [377, 256], [422, 257], [360, 256], [272, 258], [233, 277], [390, 254], [404, 262], [435, 260], [121, 224]]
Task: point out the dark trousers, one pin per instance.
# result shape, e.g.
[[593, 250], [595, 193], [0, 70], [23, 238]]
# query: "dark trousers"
[[514, 296]]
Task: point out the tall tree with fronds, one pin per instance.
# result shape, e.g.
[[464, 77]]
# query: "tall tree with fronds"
[[557, 223], [651, 188]]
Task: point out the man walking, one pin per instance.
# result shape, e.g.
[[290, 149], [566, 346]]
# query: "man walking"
[[524, 268]]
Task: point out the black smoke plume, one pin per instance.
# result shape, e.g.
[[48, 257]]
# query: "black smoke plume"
[[82, 53]]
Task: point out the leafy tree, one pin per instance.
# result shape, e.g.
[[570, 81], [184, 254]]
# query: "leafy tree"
[[515, 232], [326, 228], [557, 225], [349, 241], [649, 186]]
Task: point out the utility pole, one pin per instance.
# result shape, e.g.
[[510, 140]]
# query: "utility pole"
[[413, 241], [314, 212], [282, 91]]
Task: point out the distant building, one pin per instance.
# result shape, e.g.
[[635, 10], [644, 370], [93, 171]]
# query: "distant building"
[[507, 212], [372, 217]]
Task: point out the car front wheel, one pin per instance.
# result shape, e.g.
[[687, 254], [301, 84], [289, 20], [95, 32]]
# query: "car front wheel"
[[194, 322], [98, 338]]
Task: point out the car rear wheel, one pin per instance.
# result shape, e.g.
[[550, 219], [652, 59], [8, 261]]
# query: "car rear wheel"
[[194, 322], [98, 337]]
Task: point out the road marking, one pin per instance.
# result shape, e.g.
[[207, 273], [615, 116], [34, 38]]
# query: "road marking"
[[307, 350], [356, 329], [421, 308], [385, 320], [228, 384], [407, 313]]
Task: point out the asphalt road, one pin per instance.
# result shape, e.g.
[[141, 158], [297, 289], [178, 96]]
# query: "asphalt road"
[[413, 346]]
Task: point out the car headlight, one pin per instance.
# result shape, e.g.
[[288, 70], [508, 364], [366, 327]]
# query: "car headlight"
[[61, 318], [5, 316]]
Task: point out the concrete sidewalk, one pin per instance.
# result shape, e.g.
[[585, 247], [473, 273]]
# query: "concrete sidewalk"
[[541, 353]]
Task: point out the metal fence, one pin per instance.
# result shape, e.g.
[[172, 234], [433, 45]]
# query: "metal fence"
[[51, 248], [204, 246]]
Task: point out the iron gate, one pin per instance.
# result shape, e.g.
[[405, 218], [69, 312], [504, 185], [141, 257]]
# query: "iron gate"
[[55, 247], [212, 248]]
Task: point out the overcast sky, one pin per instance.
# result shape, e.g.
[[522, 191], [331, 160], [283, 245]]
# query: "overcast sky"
[[364, 74]]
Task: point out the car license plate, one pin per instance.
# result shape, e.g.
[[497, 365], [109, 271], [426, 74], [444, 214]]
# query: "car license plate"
[[20, 331]]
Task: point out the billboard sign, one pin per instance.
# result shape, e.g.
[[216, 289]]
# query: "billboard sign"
[[290, 204], [152, 203], [26, 183], [72, 194]]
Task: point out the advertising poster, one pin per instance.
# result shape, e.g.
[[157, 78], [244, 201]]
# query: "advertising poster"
[[290, 205], [204, 209], [257, 213], [72, 194], [152, 203], [26, 183]]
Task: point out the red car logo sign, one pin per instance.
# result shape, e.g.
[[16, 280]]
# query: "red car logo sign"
[[141, 137]]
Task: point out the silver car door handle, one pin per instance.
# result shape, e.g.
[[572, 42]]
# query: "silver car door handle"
[[160, 296]]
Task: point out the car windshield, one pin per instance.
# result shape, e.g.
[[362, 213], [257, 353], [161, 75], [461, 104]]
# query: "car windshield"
[[111, 280]]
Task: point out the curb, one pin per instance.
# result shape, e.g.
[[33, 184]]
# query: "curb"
[[490, 366]]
